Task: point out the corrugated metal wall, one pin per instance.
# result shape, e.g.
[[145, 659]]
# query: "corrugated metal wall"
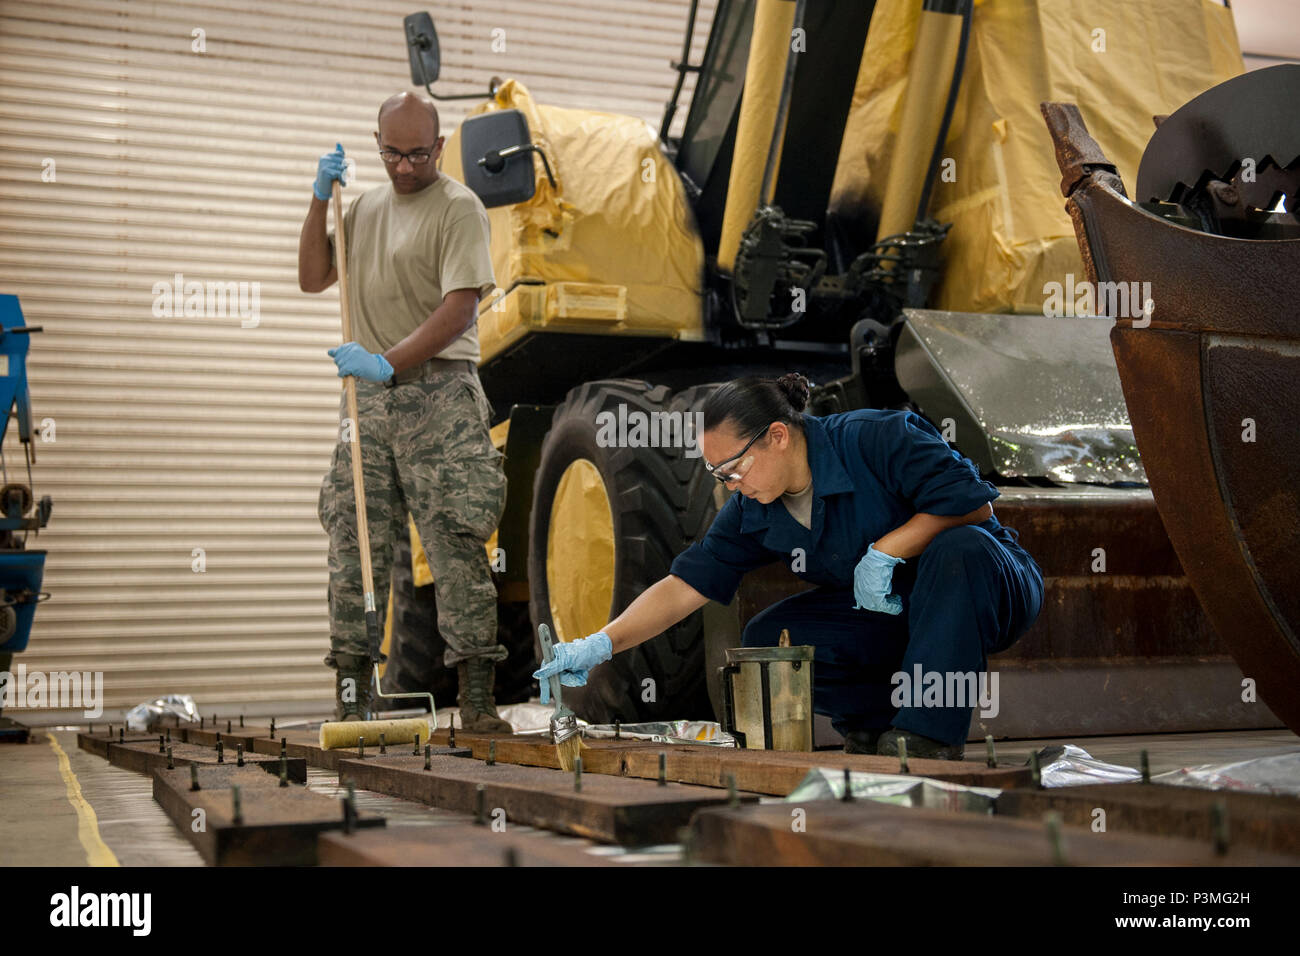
[[129, 156]]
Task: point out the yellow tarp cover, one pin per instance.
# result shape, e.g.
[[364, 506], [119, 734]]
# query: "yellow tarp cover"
[[773, 20], [1121, 61], [618, 217]]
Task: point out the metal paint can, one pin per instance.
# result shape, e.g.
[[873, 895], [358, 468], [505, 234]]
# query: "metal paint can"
[[767, 697]]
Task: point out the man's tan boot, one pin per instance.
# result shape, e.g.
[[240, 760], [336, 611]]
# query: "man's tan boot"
[[351, 687], [478, 710]]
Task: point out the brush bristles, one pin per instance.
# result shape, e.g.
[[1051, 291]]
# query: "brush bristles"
[[567, 751]]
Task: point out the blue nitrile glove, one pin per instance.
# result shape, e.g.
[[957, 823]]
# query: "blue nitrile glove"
[[331, 167], [872, 582], [573, 660], [352, 359]]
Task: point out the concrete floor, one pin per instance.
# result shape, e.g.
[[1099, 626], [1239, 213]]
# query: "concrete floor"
[[61, 806]]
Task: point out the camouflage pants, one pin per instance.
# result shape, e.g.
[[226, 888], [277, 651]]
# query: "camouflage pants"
[[425, 450]]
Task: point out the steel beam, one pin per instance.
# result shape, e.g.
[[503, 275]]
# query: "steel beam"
[[145, 757], [97, 741], [606, 808], [305, 745], [1258, 820], [598, 756], [867, 833], [779, 772], [757, 771], [455, 844], [278, 825], [463, 738], [208, 736]]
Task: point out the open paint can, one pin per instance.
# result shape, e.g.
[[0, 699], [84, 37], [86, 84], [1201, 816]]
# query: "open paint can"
[[767, 697]]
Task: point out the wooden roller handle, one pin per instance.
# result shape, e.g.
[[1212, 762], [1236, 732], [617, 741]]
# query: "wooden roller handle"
[[350, 387]]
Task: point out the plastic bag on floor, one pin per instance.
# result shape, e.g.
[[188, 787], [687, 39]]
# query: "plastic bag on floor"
[[666, 732], [526, 718], [1071, 766], [1278, 774], [826, 783], [535, 718], [181, 706]]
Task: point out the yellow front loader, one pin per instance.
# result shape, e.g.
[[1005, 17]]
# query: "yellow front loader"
[[839, 163]]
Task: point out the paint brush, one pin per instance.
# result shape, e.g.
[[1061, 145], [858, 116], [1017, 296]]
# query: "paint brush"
[[564, 723]]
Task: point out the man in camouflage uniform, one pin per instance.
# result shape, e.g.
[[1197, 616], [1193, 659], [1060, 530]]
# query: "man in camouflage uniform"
[[418, 263]]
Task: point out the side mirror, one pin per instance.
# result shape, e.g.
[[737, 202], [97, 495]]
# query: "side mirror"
[[495, 158], [422, 48]]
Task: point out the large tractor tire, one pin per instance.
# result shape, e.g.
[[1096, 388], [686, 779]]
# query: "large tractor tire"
[[416, 646], [606, 524]]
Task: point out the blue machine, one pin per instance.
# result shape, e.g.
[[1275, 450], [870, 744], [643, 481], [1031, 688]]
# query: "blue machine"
[[20, 568]]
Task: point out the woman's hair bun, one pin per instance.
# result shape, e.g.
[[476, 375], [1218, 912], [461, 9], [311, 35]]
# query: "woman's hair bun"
[[796, 388]]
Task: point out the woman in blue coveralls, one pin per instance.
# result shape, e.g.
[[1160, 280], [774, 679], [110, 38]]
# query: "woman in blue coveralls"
[[892, 524]]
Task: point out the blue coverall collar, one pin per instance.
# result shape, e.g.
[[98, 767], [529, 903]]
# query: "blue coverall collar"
[[829, 477]]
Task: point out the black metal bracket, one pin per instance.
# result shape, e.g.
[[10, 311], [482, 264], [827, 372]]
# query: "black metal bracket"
[[729, 703], [495, 160], [682, 67]]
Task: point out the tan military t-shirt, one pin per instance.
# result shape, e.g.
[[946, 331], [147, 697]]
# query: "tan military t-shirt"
[[405, 252], [800, 506]]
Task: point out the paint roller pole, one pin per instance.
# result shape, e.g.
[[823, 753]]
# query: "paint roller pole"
[[350, 388]]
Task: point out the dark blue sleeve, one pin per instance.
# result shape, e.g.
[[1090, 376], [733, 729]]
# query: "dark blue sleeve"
[[914, 462], [715, 564]]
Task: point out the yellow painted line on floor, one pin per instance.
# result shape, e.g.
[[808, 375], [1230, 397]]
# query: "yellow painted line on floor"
[[97, 851]]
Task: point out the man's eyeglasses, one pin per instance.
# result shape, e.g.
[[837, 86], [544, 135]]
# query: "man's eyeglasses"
[[725, 477], [418, 157]]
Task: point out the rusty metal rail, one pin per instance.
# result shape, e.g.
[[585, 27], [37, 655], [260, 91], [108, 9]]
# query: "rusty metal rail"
[[757, 771], [227, 734], [454, 844], [598, 756], [778, 773], [259, 824], [97, 741], [606, 808], [305, 744], [865, 833], [148, 756], [1267, 822]]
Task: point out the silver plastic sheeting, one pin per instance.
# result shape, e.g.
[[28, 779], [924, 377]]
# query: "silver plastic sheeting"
[[1027, 395], [1279, 775], [407, 813], [825, 783], [1071, 766], [178, 705], [535, 718], [667, 732], [525, 718]]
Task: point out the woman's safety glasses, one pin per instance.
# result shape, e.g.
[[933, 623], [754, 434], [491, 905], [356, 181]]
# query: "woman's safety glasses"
[[729, 476]]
